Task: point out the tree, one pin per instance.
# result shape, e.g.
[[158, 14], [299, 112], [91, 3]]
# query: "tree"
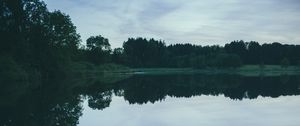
[[98, 43], [224, 60], [100, 100], [198, 62], [232, 60], [272, 53], [98, 49], [238, 48], [253, 53], [118, 56], [63, 31], [36, 39], [141, 52]]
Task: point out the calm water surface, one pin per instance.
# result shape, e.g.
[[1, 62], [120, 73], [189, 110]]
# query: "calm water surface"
[[198, 110], [155, 100]]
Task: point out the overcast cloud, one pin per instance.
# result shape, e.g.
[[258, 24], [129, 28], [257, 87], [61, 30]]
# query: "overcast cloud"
[[203, 22]]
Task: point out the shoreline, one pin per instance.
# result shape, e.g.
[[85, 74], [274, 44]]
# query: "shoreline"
[[247, 70]]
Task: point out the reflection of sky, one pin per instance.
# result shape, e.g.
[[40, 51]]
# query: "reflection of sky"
[[195, 111], [198, 21]]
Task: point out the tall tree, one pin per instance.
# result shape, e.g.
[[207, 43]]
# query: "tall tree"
[[253, 53], [98, 49], [237, 47]]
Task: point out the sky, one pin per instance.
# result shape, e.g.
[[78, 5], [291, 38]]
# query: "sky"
[[201, 22]]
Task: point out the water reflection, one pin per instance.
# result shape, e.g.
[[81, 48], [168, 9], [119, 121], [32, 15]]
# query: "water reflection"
[[46, 104], [143, 89], [59, 102]]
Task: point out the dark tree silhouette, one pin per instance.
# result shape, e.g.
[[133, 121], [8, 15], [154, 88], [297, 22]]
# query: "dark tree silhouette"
[[98, 49], [118, 56]]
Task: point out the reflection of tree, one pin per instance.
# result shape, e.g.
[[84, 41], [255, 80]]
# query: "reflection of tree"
[[51, 103], [99, 94], [100, 100], [37, 113], [142, 90], [150, 88], [64, 114], [284, 79], [59, 102]]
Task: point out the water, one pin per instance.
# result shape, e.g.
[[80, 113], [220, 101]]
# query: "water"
[[198, 110], [155, 100]]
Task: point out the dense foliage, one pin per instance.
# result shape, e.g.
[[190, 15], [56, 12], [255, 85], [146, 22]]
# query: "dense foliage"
[[35, 40], [141, 52]]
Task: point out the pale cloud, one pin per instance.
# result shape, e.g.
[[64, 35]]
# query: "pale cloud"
[[204, 22]]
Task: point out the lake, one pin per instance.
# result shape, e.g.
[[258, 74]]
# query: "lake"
[[155, 100]]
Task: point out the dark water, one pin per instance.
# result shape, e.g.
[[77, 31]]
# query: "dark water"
[[154, 100]]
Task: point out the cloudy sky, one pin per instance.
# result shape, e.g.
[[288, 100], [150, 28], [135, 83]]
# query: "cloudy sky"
[[203, 22]]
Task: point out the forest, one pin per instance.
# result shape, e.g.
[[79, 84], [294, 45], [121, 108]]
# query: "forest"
[[37, 44]]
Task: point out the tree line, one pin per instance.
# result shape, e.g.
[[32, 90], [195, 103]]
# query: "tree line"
[[37, 42], [142, 52]]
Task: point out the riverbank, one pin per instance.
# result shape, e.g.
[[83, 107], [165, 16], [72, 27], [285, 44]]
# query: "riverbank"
[[246, 70]]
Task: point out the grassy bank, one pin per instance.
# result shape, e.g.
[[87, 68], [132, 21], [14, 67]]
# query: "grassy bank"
[[268, 70], [246, 70], [107, 73]]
